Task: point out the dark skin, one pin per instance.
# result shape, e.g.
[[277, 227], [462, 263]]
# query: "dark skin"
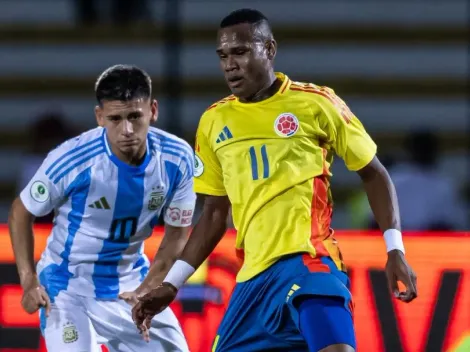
[[246, 54]]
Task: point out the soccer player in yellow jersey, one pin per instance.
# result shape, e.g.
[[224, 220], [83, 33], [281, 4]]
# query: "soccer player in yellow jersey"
[[266, 150]]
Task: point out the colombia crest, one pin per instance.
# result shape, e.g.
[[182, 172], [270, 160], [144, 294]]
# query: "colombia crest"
[[286, 125]]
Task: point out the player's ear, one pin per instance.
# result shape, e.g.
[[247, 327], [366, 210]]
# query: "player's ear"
[[99, 116], [154, 110], [271, 47]]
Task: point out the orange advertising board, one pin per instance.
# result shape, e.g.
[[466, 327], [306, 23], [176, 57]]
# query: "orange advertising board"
[[438, 320]]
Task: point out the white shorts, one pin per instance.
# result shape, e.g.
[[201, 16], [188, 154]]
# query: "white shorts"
[[82, 324]]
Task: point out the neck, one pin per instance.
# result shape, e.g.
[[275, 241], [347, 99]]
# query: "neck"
[[131, 158], [267, 91]]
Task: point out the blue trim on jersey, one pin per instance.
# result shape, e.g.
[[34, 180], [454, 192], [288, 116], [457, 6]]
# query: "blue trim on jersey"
[[172, 142], [174, 178], [127, 210], [55, 278], [179, 151], [42, 320], [92, 145], [144, 269], [78, 163], [121, 164], [154, 221]]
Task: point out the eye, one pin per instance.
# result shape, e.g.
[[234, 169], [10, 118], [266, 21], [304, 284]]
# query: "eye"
[[114, 118], [240, 52], [134, 117]]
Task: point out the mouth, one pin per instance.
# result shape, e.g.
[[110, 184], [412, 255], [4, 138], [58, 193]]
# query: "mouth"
[[235, 81], [129, 143]]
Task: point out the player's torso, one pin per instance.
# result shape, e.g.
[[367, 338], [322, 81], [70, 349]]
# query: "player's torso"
[[109, 210], [270, 153], [267, 148], [114, 205]]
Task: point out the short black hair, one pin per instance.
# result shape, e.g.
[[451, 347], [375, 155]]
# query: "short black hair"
[[240, 16], [123, 83]]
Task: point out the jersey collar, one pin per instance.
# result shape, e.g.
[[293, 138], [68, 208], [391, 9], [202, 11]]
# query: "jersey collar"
[[119, 163], [286, 82]]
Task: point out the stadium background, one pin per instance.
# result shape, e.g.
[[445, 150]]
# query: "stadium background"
[[402, 66]]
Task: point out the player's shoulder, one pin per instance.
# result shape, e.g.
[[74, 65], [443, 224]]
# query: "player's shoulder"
[[221, 106], [310, 91], [75, 152], [167, 142], [91, 139]]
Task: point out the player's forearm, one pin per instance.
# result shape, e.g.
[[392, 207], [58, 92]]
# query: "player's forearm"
[[170, 249], [205, 236], [208, 231], [382, 198], [20, 223], [157, 272]]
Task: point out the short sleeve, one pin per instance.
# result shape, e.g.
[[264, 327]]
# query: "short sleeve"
[[43, 193], [180, 209], [207, 170], [345, 132]]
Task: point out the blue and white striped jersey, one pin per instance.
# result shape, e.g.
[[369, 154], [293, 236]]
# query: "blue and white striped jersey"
[[105, 209]]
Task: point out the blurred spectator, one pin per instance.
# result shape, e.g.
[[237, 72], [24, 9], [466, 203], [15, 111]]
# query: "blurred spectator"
[[122, 12], [428, 199], [46, 133]]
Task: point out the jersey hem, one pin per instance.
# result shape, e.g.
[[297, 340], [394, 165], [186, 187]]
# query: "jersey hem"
[[261, 268]]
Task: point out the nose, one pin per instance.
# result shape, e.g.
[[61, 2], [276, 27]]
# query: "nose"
[[127, 128], [230, 64]]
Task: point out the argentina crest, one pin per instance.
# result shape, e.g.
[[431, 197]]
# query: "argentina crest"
[[69, 333], [157, 197]]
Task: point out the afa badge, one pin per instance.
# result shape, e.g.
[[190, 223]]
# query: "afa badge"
[[157, 197], [69, 333], [286, 125]]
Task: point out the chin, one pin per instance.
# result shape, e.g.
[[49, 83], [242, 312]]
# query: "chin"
[[129, 150], [238, 92]]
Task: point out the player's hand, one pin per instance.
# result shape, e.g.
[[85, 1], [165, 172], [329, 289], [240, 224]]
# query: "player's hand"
[[130, 297], [397, 269], [35, 297], [151, 304]]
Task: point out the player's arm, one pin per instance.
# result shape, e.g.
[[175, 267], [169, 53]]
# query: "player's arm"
[[170, 249], [38, 198], [212, 224], [20, 222], [205, 236], [350, 141], [178, 217], [382, 196], [207, 232]]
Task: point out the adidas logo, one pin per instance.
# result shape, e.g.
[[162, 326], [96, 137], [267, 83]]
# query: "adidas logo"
[[225, 134], [102, 203]]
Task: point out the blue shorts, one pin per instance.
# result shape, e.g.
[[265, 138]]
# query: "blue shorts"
[[262, 314]]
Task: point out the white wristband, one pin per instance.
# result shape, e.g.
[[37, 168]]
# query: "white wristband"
[[393, 240], [179, 273]]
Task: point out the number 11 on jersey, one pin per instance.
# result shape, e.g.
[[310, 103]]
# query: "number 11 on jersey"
[[254, 162]]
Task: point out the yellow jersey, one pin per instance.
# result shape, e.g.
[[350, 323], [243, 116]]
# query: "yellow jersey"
[[272, 159]]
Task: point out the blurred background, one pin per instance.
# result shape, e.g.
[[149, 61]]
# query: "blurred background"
[[401, 65]]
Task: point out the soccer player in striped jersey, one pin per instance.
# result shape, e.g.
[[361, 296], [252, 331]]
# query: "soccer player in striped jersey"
[[267, 151], [107, 187]]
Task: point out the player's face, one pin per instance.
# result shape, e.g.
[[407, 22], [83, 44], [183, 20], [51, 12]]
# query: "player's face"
[[246, 61], [127, 123]]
